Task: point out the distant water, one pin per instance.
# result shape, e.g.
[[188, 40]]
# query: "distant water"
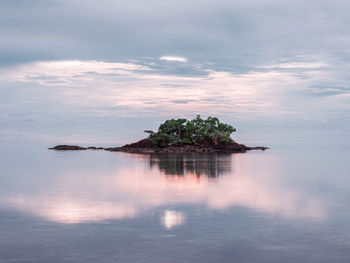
[[287, 204]]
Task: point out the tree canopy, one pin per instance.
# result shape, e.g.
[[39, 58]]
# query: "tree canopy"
[[190, 132]]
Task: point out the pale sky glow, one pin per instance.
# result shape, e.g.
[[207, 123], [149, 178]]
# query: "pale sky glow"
[[173, 58]]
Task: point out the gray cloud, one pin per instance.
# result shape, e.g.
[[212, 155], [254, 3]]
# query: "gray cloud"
[[181, 101], [231, 35]]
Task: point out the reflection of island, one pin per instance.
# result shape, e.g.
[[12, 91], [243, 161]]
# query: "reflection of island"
[[180, 164]]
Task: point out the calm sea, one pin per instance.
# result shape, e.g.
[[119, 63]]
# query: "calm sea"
[[288, 204]]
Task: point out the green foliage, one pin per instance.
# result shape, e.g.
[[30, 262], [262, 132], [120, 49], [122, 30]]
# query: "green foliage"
[[183, 131]]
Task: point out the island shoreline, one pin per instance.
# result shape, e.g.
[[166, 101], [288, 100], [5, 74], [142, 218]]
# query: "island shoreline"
[[146, 147]]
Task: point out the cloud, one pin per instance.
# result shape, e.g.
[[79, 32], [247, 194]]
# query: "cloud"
[[142, 89], [130, 89], [173, 58], [184, 101], [232, 36], [68, 72], [296, 65]]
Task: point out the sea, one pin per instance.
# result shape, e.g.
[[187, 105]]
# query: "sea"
[[290, 203]]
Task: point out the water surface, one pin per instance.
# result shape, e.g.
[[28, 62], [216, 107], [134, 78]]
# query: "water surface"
[[285, 204]]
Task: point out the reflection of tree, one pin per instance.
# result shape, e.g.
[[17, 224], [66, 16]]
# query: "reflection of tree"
[[180, 164]]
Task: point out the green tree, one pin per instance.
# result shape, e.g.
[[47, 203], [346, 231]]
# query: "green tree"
[[182, 131]]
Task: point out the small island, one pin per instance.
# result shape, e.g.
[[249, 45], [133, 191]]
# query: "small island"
[[181, 136]]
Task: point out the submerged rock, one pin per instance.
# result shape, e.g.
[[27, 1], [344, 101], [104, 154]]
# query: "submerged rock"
[[94, 148], [67, 148]]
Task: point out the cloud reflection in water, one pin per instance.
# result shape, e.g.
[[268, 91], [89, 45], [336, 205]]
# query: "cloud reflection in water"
[[171, 219], [216, 181]]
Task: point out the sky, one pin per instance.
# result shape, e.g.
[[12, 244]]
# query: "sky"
[[103, 71]]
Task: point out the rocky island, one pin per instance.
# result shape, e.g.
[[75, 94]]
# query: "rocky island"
[[181, 136]]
